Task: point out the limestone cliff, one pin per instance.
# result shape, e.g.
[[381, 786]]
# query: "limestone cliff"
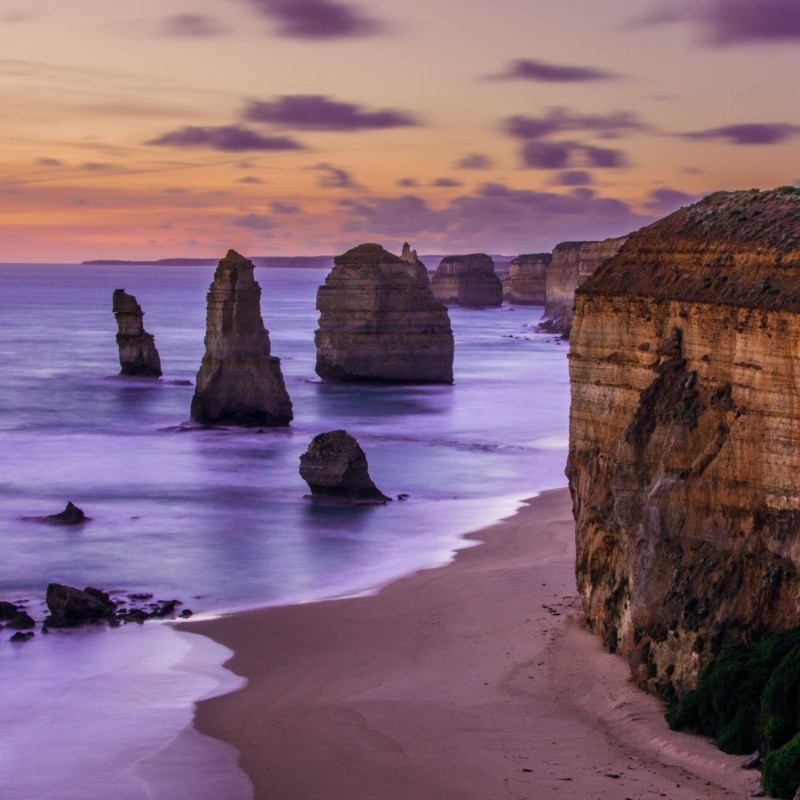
[[239, 382], [684, 455], [467, 281], [572, 264], [527, 277], [379, 322], [137, 347]]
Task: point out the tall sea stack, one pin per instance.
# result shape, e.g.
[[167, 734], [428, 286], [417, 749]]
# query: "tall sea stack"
[[527, 279], [684, 453], [239, 382], [467, 281], [137, 347], [380, 323]]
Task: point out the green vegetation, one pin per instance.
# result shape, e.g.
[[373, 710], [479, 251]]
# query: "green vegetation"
[[749, 699]]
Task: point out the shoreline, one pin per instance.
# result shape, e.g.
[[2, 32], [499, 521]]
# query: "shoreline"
[[475, 679]]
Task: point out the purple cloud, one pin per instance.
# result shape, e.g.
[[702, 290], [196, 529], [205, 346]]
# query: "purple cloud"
[[749, 133], [603, 157], [572, 177], [254, 222], [190, 25], [50, 162], [279, 207], [94, 166], [230, 138], [250, 179], [546, 155], [529, 70], [666, 200], [317, 19], [473, 161], [445, 182], [732, 22], [331, 177], [407, 182], [315, 112], [560, 120]]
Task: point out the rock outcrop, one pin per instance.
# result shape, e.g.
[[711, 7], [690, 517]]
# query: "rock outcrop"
[[335, 466], [380, 323], [137, 347], [71, 515], [70, 606], [239, 382], [467, 281], [684, 455], [571, 265], [527, 278]]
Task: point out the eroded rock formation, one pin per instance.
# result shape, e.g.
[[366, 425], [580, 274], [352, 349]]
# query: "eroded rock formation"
[[335, 466], [239, 382], [527, 277], [467, 281], [572, 264], [137, 347], [684, 455], [379, 322]]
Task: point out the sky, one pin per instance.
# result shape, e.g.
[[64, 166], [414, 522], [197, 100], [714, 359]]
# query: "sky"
[[172, 128]]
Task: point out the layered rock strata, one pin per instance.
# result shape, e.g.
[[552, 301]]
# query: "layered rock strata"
[[335, 466], [137, 347], [380, 323], [527, 279], [239, 382], [571, 265], [684, 454], [467, 281]]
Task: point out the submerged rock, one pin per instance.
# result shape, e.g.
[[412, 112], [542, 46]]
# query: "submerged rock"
[[379, 321], [70, 606], [335, 466], [527, 279], [22, 621], [8, 611], [71, 515], [467, 281], [239, 382], [137, 348]]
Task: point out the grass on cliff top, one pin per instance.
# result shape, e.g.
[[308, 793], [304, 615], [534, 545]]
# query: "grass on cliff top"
[[749, 699]]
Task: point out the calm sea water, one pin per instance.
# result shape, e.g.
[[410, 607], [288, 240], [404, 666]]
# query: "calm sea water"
[[218, 519]]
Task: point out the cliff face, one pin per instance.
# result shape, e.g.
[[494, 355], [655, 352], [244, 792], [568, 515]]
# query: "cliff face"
[[467, 281], [572, 264], [137, 347], [527, 278], [239, 382], [379, 322], [684, 456]]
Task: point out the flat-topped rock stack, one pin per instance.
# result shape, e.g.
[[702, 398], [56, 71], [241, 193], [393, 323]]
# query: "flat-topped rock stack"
[[239, 381], [527, 279], [380, 322], [467, 280], [137, 347], [571, 265]]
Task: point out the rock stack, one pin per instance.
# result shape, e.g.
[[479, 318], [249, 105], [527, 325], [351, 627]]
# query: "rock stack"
[[380, 323], [467, 281], [137, 348], [527, 276], [239, 382], [335, 466], [684, 453]]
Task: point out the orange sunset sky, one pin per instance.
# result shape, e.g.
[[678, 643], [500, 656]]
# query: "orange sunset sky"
[[294, 127]]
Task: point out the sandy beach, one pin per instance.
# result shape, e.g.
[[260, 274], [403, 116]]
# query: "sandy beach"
[[472, 681]]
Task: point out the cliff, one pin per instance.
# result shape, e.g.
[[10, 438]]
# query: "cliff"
[[527, 278], [467, 281], [137, 347], [684, 455], [379, 322], [572, 264], [239, 382]]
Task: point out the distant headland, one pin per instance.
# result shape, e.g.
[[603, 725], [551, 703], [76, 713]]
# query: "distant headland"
[[320, 262]]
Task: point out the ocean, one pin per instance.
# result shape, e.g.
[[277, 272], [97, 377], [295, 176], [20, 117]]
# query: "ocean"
[[219, 519]]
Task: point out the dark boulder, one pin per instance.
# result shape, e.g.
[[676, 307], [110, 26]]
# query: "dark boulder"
[[21, 622], [71, 515], [7, 611], [19, 636], [69, 606]]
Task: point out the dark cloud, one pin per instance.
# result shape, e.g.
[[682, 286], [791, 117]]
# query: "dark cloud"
[[50, 162], [750, 133], [317, 19], [528, 70], [254, 222], [191, 25], [603, 157], [94, 166], [731, 22], [315, 112], [250, 179], [230, 138], [546, 155], [561, 120], [445, 182], [279, 207], [474, 161], [666, 200], [407, 182], [175, 190], [331, 177], [572, 177]]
